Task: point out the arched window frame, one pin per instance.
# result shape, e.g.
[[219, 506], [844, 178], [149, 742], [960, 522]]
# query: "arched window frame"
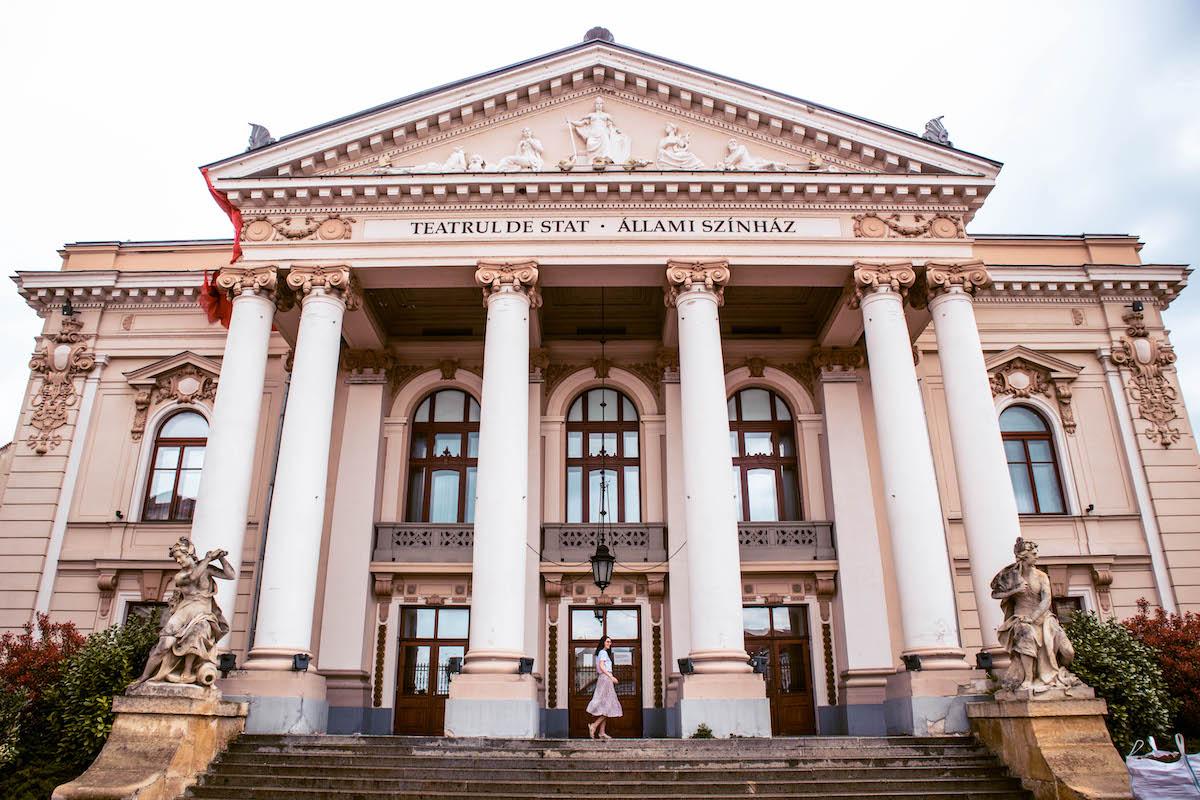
[[1058, 445], [626, 506], [781, 430], [424, 438], [146, 473]]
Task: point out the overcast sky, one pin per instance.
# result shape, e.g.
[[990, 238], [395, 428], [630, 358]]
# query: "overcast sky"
[[110, 107]]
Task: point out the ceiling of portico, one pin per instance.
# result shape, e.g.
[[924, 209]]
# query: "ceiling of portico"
[[629, 312]]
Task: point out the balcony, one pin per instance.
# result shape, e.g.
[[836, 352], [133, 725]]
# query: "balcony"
[[575, 543], [423, 542], [786, 541], [430, 543]]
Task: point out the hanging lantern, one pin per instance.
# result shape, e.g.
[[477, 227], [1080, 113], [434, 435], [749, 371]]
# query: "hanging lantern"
[[602, 566]]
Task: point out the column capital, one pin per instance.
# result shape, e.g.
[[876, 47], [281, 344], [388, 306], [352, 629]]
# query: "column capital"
[[262, 280], [332, 279], [829, 360], [497, 276], [944, 277], [684, 276], [881, 276]]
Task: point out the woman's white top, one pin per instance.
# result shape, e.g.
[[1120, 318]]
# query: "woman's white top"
[[602, 657]]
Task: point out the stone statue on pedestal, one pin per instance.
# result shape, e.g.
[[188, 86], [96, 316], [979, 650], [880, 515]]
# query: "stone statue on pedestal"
[[1031, 633], [186, 651]]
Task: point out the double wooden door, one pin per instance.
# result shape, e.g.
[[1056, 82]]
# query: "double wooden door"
[[779, 634], [588, 624], [429, 638]]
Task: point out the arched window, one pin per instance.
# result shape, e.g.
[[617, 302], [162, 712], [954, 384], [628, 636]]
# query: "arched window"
[[602, 444], [175, 468], [443, 458], [1032, 464], [763, 439]]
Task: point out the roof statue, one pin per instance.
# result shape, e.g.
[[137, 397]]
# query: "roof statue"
[[259, 136], [936, 132], [598, 33]]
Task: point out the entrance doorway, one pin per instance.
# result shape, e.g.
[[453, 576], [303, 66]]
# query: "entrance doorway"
[[429, 638], [622, 625], [779, 634]]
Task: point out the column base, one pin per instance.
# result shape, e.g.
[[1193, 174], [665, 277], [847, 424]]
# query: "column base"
[[280, 701], [487, 704], [351, 709], [860, 708], [931, 702], [163, 736], [730, 704], [1058, 748]]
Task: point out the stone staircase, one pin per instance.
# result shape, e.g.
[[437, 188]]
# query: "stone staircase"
[[408, 768]]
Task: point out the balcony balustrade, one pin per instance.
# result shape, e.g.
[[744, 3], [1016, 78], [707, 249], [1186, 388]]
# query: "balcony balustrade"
[[425, 543]]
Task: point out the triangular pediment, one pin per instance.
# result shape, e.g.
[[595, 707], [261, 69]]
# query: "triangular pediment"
[[642, 93], [1055, 367], [150, 374]]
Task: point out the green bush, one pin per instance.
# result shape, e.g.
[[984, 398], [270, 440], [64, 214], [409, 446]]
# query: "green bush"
[[61, 733], [1126, 673], [703, 732]]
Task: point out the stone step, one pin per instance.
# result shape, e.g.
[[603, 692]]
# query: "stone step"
[[985, 769], [442, 742], [798, 793], [623, 785]]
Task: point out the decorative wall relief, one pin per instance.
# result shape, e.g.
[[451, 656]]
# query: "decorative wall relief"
[[892, 226], [1146, 357], [601, 139], [327, 227], [1022, 373], [62, 358], [186, 385], [673, 152]]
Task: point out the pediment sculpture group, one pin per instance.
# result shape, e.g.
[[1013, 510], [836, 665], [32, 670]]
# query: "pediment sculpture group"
[[597, 142]]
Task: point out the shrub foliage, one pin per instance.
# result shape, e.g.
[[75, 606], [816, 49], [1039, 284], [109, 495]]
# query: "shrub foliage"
[[1126, 673], [1176, 639], [56, 700]]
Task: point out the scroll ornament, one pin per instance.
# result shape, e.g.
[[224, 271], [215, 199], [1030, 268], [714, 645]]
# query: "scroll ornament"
[[684, 276], [870, 277], [1148, 385], [262, 280], [63, 357], [335, 280], [948, 276], [938, 226], [508, 276]]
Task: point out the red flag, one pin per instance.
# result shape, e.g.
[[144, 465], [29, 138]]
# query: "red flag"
[[217, 307], [234, 214]]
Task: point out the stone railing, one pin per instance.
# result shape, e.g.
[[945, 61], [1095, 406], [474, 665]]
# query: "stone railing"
[[575, 544], [423, 542], [786, 541]]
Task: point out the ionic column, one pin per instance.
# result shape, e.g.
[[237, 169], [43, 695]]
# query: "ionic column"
[[988, 506], [289, 568], [489, 698], [222, 502], [920, 554], [723, 692]]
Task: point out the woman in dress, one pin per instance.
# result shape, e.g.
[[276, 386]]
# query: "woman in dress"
[[604, 702]]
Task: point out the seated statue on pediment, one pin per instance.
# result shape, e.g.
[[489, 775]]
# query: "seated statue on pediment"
[[528, 157], [673, 152]]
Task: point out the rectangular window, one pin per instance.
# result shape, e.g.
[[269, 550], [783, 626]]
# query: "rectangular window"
[[758, 443], [417, 623], [633, 505], [763, 500], [453, 623], [416, 496], [630, 444], [574, 494], [575, 444], [1021, 488], [449, 407], [595, 477], [443, 496], [469, 516], [447, 444]]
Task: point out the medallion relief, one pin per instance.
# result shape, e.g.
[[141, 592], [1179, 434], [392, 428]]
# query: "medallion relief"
[[892, 226], [63, 357], [325, 227], [1146, 357]]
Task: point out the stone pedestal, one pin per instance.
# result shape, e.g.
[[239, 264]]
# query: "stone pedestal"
[[493, 704], [1060, 749], [280, 700], [163, 736], [931, 702]]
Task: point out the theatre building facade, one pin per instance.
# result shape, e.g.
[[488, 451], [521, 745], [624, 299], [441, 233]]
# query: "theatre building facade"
[[745, 342]]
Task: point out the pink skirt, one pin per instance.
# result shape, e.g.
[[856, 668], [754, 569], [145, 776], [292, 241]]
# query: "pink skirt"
[[604, 699]]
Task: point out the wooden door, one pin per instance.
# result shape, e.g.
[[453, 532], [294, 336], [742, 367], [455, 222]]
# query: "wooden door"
[[429, 638], [623, 625], [780, 634]]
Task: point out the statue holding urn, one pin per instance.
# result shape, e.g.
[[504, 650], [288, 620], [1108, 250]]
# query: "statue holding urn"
[[1031, 633], [186, 652]]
